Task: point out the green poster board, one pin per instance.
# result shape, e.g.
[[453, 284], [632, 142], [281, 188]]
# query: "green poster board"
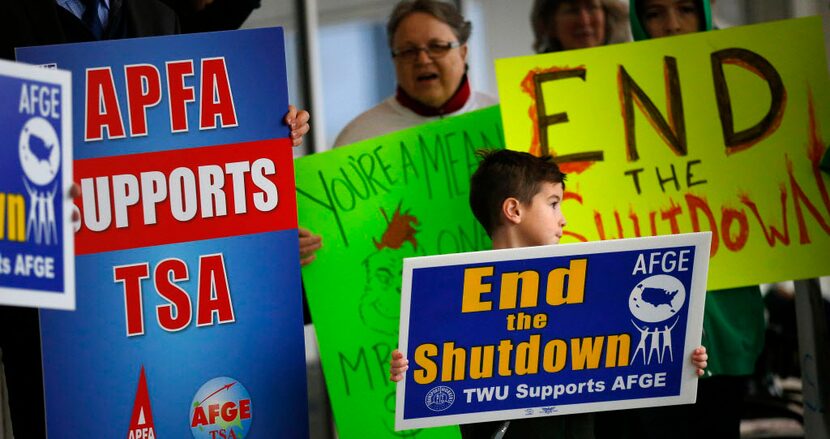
[[376, 202]]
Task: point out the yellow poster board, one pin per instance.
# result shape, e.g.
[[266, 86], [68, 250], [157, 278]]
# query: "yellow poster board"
[[719, 131]]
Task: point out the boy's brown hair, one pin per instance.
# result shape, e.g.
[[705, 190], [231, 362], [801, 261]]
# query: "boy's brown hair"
[[503, 174]]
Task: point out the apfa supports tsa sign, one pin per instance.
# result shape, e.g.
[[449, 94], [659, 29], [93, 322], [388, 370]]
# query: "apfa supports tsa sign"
[[188, 321], [36, 242], [551, 330]]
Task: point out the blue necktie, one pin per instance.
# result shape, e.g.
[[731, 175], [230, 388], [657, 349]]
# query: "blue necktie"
[[91, 18]]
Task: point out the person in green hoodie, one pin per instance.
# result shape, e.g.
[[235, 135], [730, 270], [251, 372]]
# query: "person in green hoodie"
[[733, 322]]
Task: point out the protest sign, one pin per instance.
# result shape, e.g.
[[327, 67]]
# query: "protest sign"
[[188, 319], [717, 131], [36, 243], [374, 203], [551, 330]]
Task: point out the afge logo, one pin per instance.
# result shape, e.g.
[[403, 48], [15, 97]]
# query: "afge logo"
[[40, 158], [655, 302], [657, 298], [221, 410]]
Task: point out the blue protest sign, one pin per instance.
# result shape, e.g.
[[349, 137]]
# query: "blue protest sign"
[[551, 330], [189, 314], [36, 243]]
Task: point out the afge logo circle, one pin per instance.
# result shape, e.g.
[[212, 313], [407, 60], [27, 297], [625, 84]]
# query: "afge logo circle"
[[657, 298], [439, 398], [221, 409], [40, 152]]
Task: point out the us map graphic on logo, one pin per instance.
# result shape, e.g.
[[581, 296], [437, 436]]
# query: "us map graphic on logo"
[[35, 236], [655, 302], [40, 158]]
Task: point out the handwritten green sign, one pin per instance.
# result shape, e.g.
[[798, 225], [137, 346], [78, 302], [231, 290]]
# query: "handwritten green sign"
[[376, 202]]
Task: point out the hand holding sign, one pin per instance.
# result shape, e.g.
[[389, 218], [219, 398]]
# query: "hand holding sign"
[[397, 366]]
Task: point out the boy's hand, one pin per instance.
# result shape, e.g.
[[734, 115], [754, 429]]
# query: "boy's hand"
[[297, 120], [699, 358], [309, 243], [397, 366]]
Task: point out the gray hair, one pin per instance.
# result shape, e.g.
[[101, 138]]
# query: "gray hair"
[[444, 12]]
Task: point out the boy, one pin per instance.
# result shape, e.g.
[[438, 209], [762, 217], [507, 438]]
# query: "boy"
[[517, 198]]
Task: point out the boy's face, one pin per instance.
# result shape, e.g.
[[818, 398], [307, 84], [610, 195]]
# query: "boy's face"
[[664, 18], [542, 219]]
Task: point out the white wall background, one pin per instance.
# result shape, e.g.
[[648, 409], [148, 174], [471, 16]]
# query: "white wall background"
[[356, 73]]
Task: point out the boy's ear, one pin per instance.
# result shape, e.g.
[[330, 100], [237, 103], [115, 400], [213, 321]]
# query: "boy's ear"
[[511, 209]]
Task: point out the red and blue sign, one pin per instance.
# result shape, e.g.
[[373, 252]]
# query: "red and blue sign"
[[36, 242], [187, 246], [552, 330]]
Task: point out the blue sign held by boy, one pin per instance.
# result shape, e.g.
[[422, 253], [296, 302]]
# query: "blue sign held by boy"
[[531, 329]]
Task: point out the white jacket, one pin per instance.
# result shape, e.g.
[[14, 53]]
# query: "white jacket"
[[390, 116]]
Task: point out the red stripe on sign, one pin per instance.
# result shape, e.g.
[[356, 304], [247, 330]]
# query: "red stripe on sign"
[[140, 200]]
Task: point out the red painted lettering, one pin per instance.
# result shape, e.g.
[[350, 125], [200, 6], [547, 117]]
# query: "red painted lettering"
[[216, 95], [102, 110], [773, 233], [670, 214], [176, 315], [131, 276], [179, 93], [245, 409], [214, 294], [728, 217], [635, 220], [199, 418], [228, 411], [695, 204], [143, 91], [213, 412], [799, 198]]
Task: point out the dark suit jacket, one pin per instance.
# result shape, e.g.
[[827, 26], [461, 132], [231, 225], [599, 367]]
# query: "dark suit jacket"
[[38, 22], [218, 15]]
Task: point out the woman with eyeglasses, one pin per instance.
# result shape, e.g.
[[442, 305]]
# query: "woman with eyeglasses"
[[428, 42]]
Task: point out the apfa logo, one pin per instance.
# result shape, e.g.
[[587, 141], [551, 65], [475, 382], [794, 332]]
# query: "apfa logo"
[[221, 410], [141, 422]]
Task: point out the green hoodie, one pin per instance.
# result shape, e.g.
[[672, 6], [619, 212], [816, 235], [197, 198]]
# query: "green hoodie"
[[733, 320]]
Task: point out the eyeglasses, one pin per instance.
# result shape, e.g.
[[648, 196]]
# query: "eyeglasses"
[[434, 51]]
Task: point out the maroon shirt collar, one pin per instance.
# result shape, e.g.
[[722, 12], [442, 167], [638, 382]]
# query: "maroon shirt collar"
[[458, 99]]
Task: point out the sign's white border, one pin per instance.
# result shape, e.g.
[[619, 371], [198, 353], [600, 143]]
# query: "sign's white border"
[[694, 326], [39, 298]]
